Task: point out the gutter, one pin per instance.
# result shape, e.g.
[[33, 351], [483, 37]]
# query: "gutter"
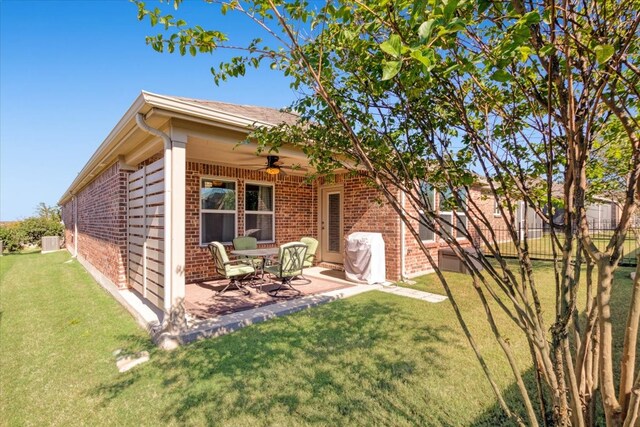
[[168, 206]]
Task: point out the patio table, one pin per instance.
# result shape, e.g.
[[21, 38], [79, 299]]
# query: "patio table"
[[263, 253]]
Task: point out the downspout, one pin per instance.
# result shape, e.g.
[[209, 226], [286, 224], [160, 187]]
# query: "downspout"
[[168, 232], [403, 276]]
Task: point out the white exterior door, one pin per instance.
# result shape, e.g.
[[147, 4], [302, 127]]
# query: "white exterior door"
[[331, 224]]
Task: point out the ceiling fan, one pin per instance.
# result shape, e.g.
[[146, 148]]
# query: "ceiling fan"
[[275, 166]]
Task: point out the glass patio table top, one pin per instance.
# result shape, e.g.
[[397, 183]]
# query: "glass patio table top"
[[260, 252]]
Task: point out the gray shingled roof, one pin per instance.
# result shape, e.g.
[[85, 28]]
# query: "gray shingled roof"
[[252, 112]]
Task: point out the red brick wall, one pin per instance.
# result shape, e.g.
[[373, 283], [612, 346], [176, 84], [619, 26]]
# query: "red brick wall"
[[416, 262], [69, 221], [366, 210], [102, 226], [295, 211]]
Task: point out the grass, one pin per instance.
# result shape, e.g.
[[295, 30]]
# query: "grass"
[[374, 359]]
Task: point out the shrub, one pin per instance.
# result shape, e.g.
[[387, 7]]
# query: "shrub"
[[29, 231], [35, 228], [12, 237]]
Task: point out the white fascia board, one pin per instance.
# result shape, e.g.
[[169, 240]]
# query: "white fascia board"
[[203, 111]]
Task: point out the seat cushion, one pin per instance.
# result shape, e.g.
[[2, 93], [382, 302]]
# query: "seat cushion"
[[275, 270], [238, 270]]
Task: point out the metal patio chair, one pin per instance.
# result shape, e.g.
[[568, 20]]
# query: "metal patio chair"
[[290, 264], [312, 247], [235, 270], [247, 242]]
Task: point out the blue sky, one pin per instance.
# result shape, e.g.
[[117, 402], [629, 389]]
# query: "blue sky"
[[70, 69]]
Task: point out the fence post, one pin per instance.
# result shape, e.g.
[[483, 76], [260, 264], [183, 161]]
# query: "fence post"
[[520, 230]]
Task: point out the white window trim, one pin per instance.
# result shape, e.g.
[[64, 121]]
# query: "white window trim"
[[201, 211], [454, 219], [421, 212], [273, 204], [496, 211]]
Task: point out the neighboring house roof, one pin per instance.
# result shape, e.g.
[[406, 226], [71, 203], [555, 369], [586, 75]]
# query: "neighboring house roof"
[[242, 118]]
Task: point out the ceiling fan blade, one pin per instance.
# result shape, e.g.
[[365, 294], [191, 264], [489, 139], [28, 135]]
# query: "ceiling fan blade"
[[295, 168]]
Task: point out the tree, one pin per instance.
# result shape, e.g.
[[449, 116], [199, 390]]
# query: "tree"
[[48, 212], [427, 91]]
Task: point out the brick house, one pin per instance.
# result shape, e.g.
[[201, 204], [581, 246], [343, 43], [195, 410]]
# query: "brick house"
[[183, 168]]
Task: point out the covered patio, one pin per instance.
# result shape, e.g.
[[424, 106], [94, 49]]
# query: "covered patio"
[[203, 302]]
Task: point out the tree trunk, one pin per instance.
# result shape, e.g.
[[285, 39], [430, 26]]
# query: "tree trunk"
[[612, 408], [628, 363]]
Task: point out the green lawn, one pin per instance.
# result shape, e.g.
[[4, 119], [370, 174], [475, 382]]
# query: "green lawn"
[[374, 359]]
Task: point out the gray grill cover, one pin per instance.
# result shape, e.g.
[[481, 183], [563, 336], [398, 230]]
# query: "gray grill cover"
[[364, 258]]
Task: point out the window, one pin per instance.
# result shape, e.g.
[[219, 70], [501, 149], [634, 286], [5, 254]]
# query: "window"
[[461, 217], [430, 203], [217, 210], [446, 211], [259, 212], [447, 208], [496, 208]]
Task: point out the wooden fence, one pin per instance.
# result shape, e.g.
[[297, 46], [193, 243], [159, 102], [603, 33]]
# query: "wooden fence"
[[146, 232]]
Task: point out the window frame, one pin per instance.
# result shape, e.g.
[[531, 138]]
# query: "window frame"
[[453, 214], [465, 200], [272, 212], [496, 210], [421, 213], [203, 211]]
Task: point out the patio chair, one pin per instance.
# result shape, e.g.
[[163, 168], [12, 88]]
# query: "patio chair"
[[290, 264], [312, 247], [235, 270], [247, 242]]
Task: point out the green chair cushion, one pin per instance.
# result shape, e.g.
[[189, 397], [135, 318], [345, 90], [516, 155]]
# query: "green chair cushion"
[[312, 247], [245, 242], [239, 270]]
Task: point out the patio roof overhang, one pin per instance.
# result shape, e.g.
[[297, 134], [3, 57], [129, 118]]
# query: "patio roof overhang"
[[214, 135]]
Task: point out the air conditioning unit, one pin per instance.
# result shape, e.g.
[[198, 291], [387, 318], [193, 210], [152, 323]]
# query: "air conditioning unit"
[[50, 244], [449, 261]]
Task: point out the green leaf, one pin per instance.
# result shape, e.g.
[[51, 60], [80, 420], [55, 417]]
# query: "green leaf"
[[390, 69], [450, 8], [425, 29], [525, 52], [501, 76], [416, 54], [531, 18], [483, 5], [604, 52], [393, 46]]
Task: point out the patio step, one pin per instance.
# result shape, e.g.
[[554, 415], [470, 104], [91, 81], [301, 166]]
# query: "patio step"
[[330, 266]]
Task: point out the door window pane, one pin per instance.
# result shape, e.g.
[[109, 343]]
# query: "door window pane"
[[334, 222]]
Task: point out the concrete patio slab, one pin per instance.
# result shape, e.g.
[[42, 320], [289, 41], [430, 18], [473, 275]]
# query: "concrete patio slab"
[[200, 329]]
